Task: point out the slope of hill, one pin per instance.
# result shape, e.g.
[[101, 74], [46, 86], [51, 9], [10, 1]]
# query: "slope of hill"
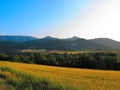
[[107, 42], [86, 44], [50, 38], [50, 44], [73, 38], [65, 44], [11, 79], [16, 38], [80, 79]]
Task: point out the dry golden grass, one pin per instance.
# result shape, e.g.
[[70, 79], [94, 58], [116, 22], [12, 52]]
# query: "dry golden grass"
[[81, 79]]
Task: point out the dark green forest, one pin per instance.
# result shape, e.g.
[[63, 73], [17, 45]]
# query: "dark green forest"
[[97, 60]]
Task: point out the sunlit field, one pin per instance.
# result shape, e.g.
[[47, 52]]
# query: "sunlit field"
[[79, 79]]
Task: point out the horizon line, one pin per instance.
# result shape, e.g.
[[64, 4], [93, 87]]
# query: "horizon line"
[[60, 37]]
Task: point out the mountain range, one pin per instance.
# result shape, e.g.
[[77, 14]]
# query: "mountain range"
[[15, 43], [16, 38]]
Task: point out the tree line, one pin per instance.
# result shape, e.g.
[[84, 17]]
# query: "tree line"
[[98, 60]]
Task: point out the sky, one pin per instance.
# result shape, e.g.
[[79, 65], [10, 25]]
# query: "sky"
[[61, 18]]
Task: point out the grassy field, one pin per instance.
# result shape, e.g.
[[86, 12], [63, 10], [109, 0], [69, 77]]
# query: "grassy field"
[[15, 80], [78, 79]]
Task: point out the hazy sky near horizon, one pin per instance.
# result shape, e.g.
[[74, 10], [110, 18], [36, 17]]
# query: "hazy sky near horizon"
[[61, 18]]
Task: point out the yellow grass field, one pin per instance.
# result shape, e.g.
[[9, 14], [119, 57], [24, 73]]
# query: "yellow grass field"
[[81, 79]]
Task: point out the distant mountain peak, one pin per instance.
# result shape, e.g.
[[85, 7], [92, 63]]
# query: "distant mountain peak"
[[73, 38], [50, 38]]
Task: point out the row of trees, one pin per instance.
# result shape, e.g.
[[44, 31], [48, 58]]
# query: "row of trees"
[[101, 60]]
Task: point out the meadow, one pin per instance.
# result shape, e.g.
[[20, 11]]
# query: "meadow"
[[72, 78], [15, 80]]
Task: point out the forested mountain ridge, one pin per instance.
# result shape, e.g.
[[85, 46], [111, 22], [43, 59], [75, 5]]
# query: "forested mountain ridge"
[[107, 42], [14, 43], [16, 38]]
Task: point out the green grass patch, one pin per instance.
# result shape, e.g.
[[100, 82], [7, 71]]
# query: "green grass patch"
[[13, 80]]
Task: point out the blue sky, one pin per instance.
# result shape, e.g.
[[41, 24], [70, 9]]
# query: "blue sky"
[[61, 18], [34, 16]]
